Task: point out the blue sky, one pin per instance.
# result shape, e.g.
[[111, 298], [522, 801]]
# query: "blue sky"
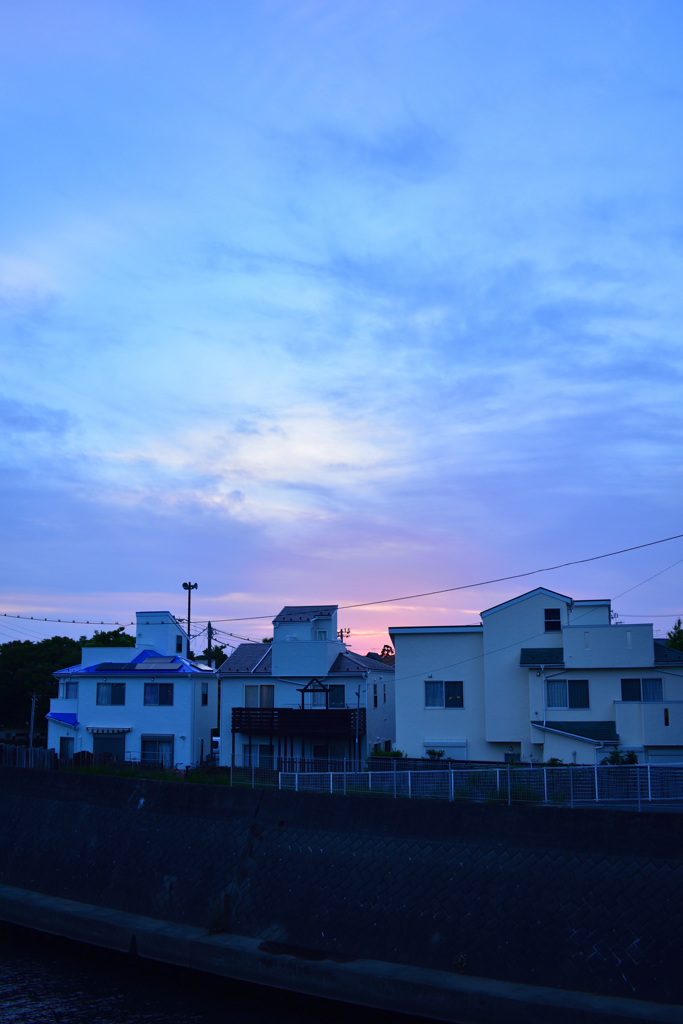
[[316, 301]]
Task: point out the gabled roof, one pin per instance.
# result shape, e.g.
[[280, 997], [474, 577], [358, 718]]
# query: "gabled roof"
[[349, 662], [523, 597], [532, 656], [257, 659], [249, 658], [665, 655], [305, 612]]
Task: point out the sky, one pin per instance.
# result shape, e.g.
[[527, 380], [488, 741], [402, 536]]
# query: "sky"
[[340, 302]]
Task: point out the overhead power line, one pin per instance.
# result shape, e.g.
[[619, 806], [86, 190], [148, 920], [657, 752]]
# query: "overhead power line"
[[390, 600], [482, 583]]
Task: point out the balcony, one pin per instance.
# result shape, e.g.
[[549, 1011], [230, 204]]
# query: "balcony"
[[299, 721]]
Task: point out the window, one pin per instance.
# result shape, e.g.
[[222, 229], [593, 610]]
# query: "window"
[[647, 690], [179, 645], [384, 690], [374, 695], [563, 693], [553, 623], [158, 694], [111, 693], [205, 694], [71, 690], [158, 750], [322, 634], [259, 696], [443, 694], [337, 695], [318, 698]]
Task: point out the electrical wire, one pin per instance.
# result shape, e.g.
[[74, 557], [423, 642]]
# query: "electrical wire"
[[394, 600]]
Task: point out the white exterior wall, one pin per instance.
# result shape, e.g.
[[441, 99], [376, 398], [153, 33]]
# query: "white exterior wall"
[[287, 695], [157, 631], [95, 655], [588, 646], [307, 630], [449, 654], [506, 630], [589, 613], [381, 720], [570, 749], [304, 657], [185, 719], [508, 698]]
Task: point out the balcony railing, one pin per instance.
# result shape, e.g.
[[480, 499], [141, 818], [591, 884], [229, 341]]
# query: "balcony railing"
[[299, 721]]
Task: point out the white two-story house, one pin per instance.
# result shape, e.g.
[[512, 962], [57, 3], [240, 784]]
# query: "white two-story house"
[[146, 703], [542, 676], [304, 696]]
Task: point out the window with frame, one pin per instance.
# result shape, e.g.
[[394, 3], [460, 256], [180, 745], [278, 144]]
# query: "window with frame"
[[179, 644], [158, 695], [205, 694], [111, 693], [261, 696], [649, 691], [157, 750], [443, 694], [337, 695], [552, 620], [70, 690], [567, 693]]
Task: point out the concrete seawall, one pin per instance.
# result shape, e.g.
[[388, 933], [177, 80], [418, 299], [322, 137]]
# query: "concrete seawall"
[[320, 894]]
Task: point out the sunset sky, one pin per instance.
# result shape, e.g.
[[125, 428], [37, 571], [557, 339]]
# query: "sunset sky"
[[331, 301]]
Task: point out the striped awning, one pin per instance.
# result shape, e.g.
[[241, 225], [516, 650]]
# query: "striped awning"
[[107, 732]]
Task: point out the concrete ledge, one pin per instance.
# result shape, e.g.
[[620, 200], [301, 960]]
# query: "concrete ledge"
[[418, 991]]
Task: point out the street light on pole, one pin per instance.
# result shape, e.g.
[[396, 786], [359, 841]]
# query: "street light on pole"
[[189, 587]]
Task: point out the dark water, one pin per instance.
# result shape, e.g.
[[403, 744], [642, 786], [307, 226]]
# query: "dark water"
[[46, 980]]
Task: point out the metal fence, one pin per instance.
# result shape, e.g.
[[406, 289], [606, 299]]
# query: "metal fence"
[[629, 786], [634, 787]]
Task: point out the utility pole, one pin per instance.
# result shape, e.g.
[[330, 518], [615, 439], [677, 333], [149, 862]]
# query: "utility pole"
[[189, 587], [34, 698], [209, 630]]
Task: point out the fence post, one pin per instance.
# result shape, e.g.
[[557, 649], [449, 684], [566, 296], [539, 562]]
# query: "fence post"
[[509, 793], [649, 784], [296, 782], [545, 785], [370, 782], [451, 785], [331, 786], [595, 772], [571, 787], [638, 784], [410, 786]]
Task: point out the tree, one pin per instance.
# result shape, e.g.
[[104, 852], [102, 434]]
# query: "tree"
[[26, 668], [675, 636], [217, 654], [109, 638]]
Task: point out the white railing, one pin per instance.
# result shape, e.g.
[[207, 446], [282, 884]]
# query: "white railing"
[[631, 786]]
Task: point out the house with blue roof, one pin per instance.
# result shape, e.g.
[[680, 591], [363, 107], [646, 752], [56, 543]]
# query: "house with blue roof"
[[541, 676], [147, 703], [305, 699]]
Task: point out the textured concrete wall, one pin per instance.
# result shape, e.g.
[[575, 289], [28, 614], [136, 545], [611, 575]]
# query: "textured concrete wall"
[[585, 900]]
